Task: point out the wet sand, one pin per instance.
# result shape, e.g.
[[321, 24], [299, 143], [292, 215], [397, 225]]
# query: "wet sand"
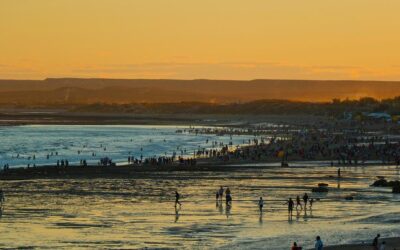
[[137, 171], [391, 244], [138, 211]]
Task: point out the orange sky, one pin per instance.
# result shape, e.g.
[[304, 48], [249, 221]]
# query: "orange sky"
[[186, 39]]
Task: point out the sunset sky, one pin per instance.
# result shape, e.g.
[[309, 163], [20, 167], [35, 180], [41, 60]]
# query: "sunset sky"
[[187, 39]]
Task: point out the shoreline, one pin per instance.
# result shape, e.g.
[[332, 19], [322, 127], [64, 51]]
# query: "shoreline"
[[135, 171]]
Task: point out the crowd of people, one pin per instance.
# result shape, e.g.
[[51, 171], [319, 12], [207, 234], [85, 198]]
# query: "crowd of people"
[[62, 163], [342, 148]]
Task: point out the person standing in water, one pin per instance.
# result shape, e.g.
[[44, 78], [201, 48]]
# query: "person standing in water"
[[305, 200], [221, 193], [261, 204], [298, 203], [228, 196], [290, 204], [177, 197]]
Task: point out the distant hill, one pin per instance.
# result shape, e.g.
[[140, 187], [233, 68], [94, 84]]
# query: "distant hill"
[[121, 91]]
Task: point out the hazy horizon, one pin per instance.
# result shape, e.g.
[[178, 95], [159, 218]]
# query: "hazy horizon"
[[123, 91], [178, 39], [203, 79]]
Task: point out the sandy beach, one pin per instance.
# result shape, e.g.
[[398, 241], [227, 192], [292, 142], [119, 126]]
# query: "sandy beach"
[[137, 208]]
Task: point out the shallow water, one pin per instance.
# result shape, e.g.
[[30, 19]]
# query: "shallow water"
[[115, 142], [137, 213]]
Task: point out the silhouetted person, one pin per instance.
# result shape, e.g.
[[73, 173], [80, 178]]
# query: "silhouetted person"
[[261, 204], [305, 200], [338, 173], [298, 203], [228, 196], [290, 204], [177, 197]]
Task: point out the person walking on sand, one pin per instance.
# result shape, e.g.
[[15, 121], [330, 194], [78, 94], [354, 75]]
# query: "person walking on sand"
[[319, 245], [260, 204], [177, 197], [298, 203]]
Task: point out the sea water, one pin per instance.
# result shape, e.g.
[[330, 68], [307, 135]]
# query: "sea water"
[[23, 145]]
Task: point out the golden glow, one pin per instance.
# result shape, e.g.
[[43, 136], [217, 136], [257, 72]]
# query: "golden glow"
[[229, 39]]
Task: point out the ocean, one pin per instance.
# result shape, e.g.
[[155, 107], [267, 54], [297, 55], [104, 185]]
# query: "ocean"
[[23, 145]]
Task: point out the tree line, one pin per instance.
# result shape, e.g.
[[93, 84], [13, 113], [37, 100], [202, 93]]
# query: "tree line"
[[336, 107]]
